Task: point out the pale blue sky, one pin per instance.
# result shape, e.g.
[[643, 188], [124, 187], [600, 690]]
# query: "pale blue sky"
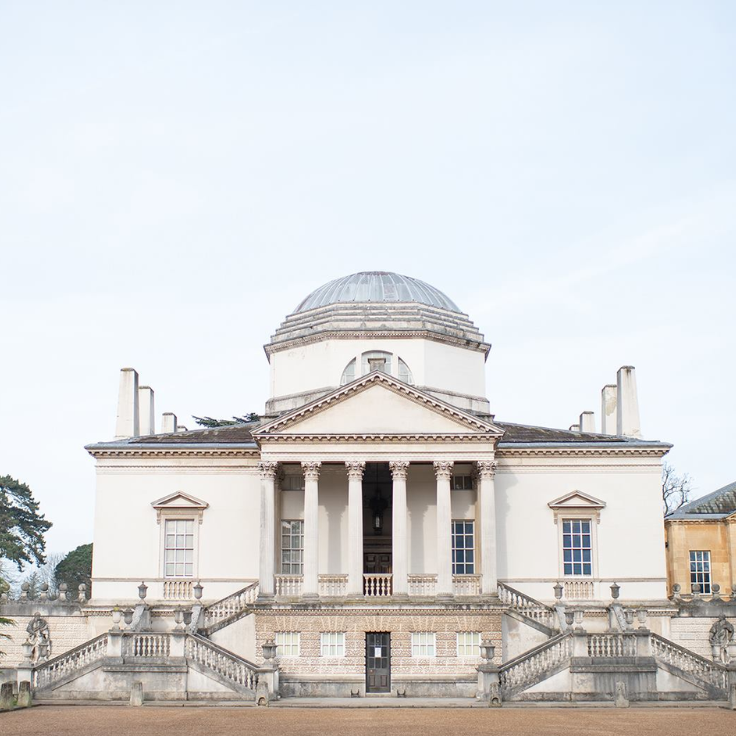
[[175, 177]]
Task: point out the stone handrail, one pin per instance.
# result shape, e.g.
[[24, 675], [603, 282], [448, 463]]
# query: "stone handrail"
[[231, 605], [146, 646], [332, 586], [611, 646], [526, 605], [423, 584], [466, 584], [532, 666], [377, 585], [235, 669], [75, 659], [178, 590], [711, 672], [288, 586]]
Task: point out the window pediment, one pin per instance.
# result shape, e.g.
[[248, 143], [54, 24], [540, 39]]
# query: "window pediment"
[[577, 503], [179, 503]]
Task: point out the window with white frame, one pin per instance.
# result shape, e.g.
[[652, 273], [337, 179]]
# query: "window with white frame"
[[423, 644], [463, 547], [179, 548], [468, 643], [577, 547], [292, 546], [462, 482], [287, 643], [332, 644], [700, 570]]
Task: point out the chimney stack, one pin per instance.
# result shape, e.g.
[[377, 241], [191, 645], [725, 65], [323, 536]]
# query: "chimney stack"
[[574, 428], [168, 423], [627, 410], [147, 416], [127, 424], [587, 421], [608, 409]]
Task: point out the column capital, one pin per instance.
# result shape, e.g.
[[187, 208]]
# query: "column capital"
[[355, 469], [399, 469], [267, 468], [486, 468], [443, 469], [311, 468]]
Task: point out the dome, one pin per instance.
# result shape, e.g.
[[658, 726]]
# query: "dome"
[[377, 287]]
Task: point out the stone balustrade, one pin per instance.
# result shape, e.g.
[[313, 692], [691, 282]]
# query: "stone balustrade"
[[466, 585], [288, 586], [421, 585], [147, 646], [178, 590], [377, 585], [611, 646], [333, 586], [579, 590], [232, 605], [55, 669]]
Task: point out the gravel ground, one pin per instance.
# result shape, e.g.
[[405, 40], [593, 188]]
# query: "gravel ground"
[[223, 721]]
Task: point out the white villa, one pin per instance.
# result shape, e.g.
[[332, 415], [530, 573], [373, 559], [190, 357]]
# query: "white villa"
[[382, 528]]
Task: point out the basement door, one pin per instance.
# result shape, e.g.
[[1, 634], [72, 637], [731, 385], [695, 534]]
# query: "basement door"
[[378, 662]]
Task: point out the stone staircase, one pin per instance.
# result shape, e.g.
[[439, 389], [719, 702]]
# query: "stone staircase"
[[528, 610], [135, 655], [609, 657], [712, 677], [536, 665], [227, 610]]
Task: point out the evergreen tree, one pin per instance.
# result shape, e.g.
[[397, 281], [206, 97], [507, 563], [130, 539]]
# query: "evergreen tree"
[[21, 525], [76, 568]]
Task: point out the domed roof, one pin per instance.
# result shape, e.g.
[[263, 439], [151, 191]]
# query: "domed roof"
[[377, 286]]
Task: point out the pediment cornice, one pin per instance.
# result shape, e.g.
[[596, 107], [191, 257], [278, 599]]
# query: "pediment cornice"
[[471, 424]]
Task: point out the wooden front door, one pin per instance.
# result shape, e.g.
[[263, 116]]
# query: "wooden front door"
[[377, 662]]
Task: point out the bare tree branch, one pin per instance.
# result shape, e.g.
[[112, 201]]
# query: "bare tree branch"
[[676, 489]]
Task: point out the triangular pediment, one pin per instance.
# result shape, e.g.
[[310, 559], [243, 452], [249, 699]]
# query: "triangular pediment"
[[179, 500], [577, 500], [377, 404]]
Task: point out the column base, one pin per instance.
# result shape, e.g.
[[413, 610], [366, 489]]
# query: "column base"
[[309, 598], [265, 598], [444, 597], [400, 596]]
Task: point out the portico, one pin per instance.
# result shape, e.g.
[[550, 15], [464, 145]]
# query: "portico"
[[342, 554]]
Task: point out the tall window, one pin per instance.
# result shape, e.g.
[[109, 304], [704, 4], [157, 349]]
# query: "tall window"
[[332, 644], [700, 570], [287, 643], [577, 550], [292, 547], [463, 547], [423, 644], [179, 548], [468, 643]]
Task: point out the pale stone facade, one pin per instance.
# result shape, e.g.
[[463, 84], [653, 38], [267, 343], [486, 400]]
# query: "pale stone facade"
[[378, 510]]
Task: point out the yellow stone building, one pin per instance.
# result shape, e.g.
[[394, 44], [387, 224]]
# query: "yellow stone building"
[[701, 544]]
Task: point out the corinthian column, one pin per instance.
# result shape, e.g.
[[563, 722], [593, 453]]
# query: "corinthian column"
[[443, 471], [487, 500], [310, 580], [267, 472], [400, 551], [355, 526]]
